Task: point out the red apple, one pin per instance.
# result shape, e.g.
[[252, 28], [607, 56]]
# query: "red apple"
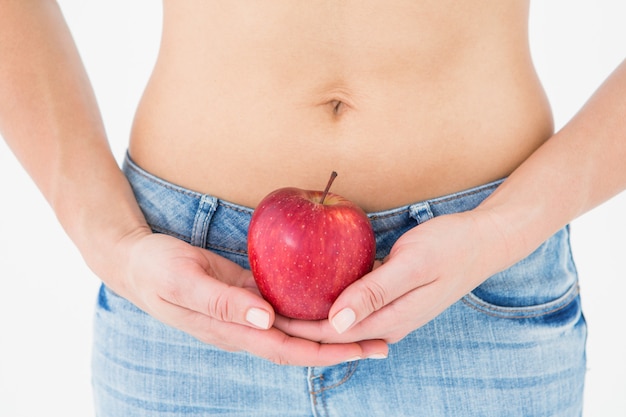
[[305, 247]]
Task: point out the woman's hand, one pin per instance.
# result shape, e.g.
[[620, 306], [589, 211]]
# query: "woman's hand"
[[216, 301], [428, 269]]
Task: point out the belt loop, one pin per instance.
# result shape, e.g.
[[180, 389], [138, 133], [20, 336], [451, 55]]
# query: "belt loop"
[[421, 212], [202, 220]]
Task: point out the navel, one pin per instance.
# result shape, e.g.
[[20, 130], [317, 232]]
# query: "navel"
[[336, 100], [338, 107]]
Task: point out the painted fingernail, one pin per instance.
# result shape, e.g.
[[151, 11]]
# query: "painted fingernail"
[[343, 320], [258, 318], [377, 356]]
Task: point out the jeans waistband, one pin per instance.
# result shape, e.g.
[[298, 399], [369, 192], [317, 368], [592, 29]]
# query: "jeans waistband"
[[186, 214]]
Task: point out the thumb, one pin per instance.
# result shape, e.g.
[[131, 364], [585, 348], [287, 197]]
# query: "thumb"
[[369, 294]]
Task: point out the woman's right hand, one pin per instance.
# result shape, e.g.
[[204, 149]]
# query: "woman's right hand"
[[216, 301]]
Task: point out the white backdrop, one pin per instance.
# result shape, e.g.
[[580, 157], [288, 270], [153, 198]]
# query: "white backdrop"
[[47, 294]]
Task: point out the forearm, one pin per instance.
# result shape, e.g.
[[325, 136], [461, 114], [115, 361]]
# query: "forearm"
[[579, 168], [50, 119]]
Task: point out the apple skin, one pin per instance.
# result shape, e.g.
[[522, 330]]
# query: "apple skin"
[[304, 253]]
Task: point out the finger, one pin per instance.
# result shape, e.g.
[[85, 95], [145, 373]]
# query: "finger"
[[315, 330], [371, 293], [271, 344], [288, 350], [323, 332], [199, 292]]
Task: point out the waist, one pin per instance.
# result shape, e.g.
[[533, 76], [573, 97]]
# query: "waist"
[[381, 163]]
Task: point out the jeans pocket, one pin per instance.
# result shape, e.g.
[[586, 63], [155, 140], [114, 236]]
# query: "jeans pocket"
[[544, 310], [542, 284]]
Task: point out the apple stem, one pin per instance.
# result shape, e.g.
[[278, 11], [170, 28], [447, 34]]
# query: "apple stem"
[[333, 175]]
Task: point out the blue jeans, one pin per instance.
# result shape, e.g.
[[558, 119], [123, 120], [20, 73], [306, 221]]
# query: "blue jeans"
[[515, 346]]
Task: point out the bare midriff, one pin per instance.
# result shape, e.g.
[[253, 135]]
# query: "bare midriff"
[[406, 100]]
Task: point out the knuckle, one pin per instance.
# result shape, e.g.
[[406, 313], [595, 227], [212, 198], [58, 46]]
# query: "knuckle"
[[279, 359], [172, 293], [220, 306], [282, 354], [374, 296]]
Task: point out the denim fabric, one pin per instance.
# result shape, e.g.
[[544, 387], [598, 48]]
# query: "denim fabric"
[[515, 346]]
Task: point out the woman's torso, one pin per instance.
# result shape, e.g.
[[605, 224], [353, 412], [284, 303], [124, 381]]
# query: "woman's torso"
[[406, 100]]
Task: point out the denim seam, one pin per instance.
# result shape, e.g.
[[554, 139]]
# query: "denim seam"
[[235, 207], [351, 370], [319, 394], [165, 231], [225, 249], [384, 216], [492, 310], [137, 170]]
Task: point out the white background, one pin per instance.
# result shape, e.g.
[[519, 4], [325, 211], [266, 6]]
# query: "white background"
[[47, 294]]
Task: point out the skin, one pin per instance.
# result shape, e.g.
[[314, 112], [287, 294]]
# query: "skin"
[[438, 96]]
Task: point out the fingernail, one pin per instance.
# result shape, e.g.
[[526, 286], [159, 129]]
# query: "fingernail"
[[258, 318], [377, 356], [354, 359], [343, 320]]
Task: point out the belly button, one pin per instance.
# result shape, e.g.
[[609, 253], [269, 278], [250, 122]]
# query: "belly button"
[[338, 107]]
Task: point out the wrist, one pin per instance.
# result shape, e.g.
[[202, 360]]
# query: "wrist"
[[99, 212], [512, 229], [109, 254]]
